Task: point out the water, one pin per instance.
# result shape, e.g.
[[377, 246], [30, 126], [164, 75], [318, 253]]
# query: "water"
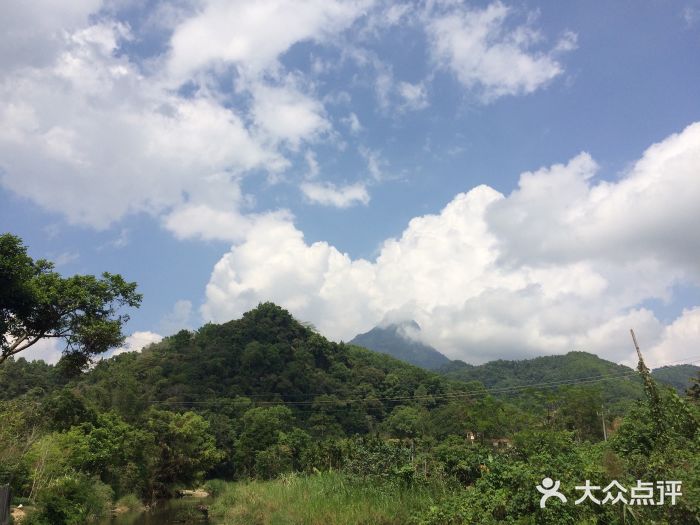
[[172, 512]]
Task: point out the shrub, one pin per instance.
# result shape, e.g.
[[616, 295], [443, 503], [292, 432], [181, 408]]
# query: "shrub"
[[215, 487], [71, 500], [129, 503], [375, 458]]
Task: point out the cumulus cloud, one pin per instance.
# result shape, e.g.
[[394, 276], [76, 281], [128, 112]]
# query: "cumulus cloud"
[[47, 350], [88, 131], [643, 217], [679, 339], [252, 35], [490, 57], [138, 341], [91, 125], [537, 271], [317, 282], [51, 350], [94, 131], [31, 33], [179, 318], [328, 194], [284, 114]]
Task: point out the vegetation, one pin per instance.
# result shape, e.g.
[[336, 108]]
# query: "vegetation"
[[287, 427], [679, 377], [38, 303], [329, 498]]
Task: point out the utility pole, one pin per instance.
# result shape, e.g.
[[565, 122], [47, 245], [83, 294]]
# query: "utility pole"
[[650, 390], [687, 420]]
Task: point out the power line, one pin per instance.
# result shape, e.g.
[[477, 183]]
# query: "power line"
[[630, 372], [451, 395]]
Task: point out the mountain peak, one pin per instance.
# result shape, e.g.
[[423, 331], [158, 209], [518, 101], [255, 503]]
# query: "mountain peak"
[[398, 340]]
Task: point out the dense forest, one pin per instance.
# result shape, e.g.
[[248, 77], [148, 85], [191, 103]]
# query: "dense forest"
[[267, 404]]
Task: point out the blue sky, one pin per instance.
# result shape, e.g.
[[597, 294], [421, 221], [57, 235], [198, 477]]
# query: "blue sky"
[[521, 178]]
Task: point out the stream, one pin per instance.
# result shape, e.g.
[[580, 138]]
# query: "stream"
[[169, 512]]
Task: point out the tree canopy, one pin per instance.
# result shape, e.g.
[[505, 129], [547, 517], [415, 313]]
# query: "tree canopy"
[[36, 303]]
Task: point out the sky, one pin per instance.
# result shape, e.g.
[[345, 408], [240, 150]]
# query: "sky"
[[521, 178]]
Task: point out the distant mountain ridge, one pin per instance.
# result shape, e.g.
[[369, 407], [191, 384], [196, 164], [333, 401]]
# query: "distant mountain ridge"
[[677, 376], [503, 373], [395, 340], [573, 366]]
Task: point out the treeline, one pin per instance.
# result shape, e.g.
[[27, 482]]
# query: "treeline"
[[265, 396]]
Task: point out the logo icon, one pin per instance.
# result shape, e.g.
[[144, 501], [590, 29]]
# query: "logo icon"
[[548, 489]]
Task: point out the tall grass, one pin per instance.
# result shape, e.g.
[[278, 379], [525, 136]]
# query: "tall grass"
[[324, 499]]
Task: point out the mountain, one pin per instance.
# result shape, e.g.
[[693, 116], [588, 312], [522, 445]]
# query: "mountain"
[[505, 373], [263, 358], [624, 383], [677, 376], [395, 341]]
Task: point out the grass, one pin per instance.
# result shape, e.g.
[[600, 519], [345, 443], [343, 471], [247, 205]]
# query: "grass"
[[325, 499], [128, 503]]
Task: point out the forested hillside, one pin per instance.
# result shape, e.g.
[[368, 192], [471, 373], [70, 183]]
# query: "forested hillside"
[[621, 386], [575, 367], [679, 377], [265, 397]]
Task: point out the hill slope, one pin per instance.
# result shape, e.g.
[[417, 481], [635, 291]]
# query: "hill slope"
[[394, 341], [677, 376], [263, 358], [574, 366], [624, 383]]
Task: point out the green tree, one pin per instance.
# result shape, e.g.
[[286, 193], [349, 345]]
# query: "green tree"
[[693, 391], [261, 429], [185, 449], [580, 411], [405, 422], [38, 303]]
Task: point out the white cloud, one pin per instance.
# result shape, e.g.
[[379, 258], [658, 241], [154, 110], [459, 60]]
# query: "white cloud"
[[644, 217], [317, 282], [64, 258], [312, 164], [487, 55], [51, 350], [179, 318], [253, 34], [204, 222], [534, 272], [201, 221], [92, 138], [353, 123], [691, 15], [415, 96], [48, 350], [31, 33], [285, 114], [89, 132], [122, 239], [329, 194], [137, 341], [375, 162], [680, 339]]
